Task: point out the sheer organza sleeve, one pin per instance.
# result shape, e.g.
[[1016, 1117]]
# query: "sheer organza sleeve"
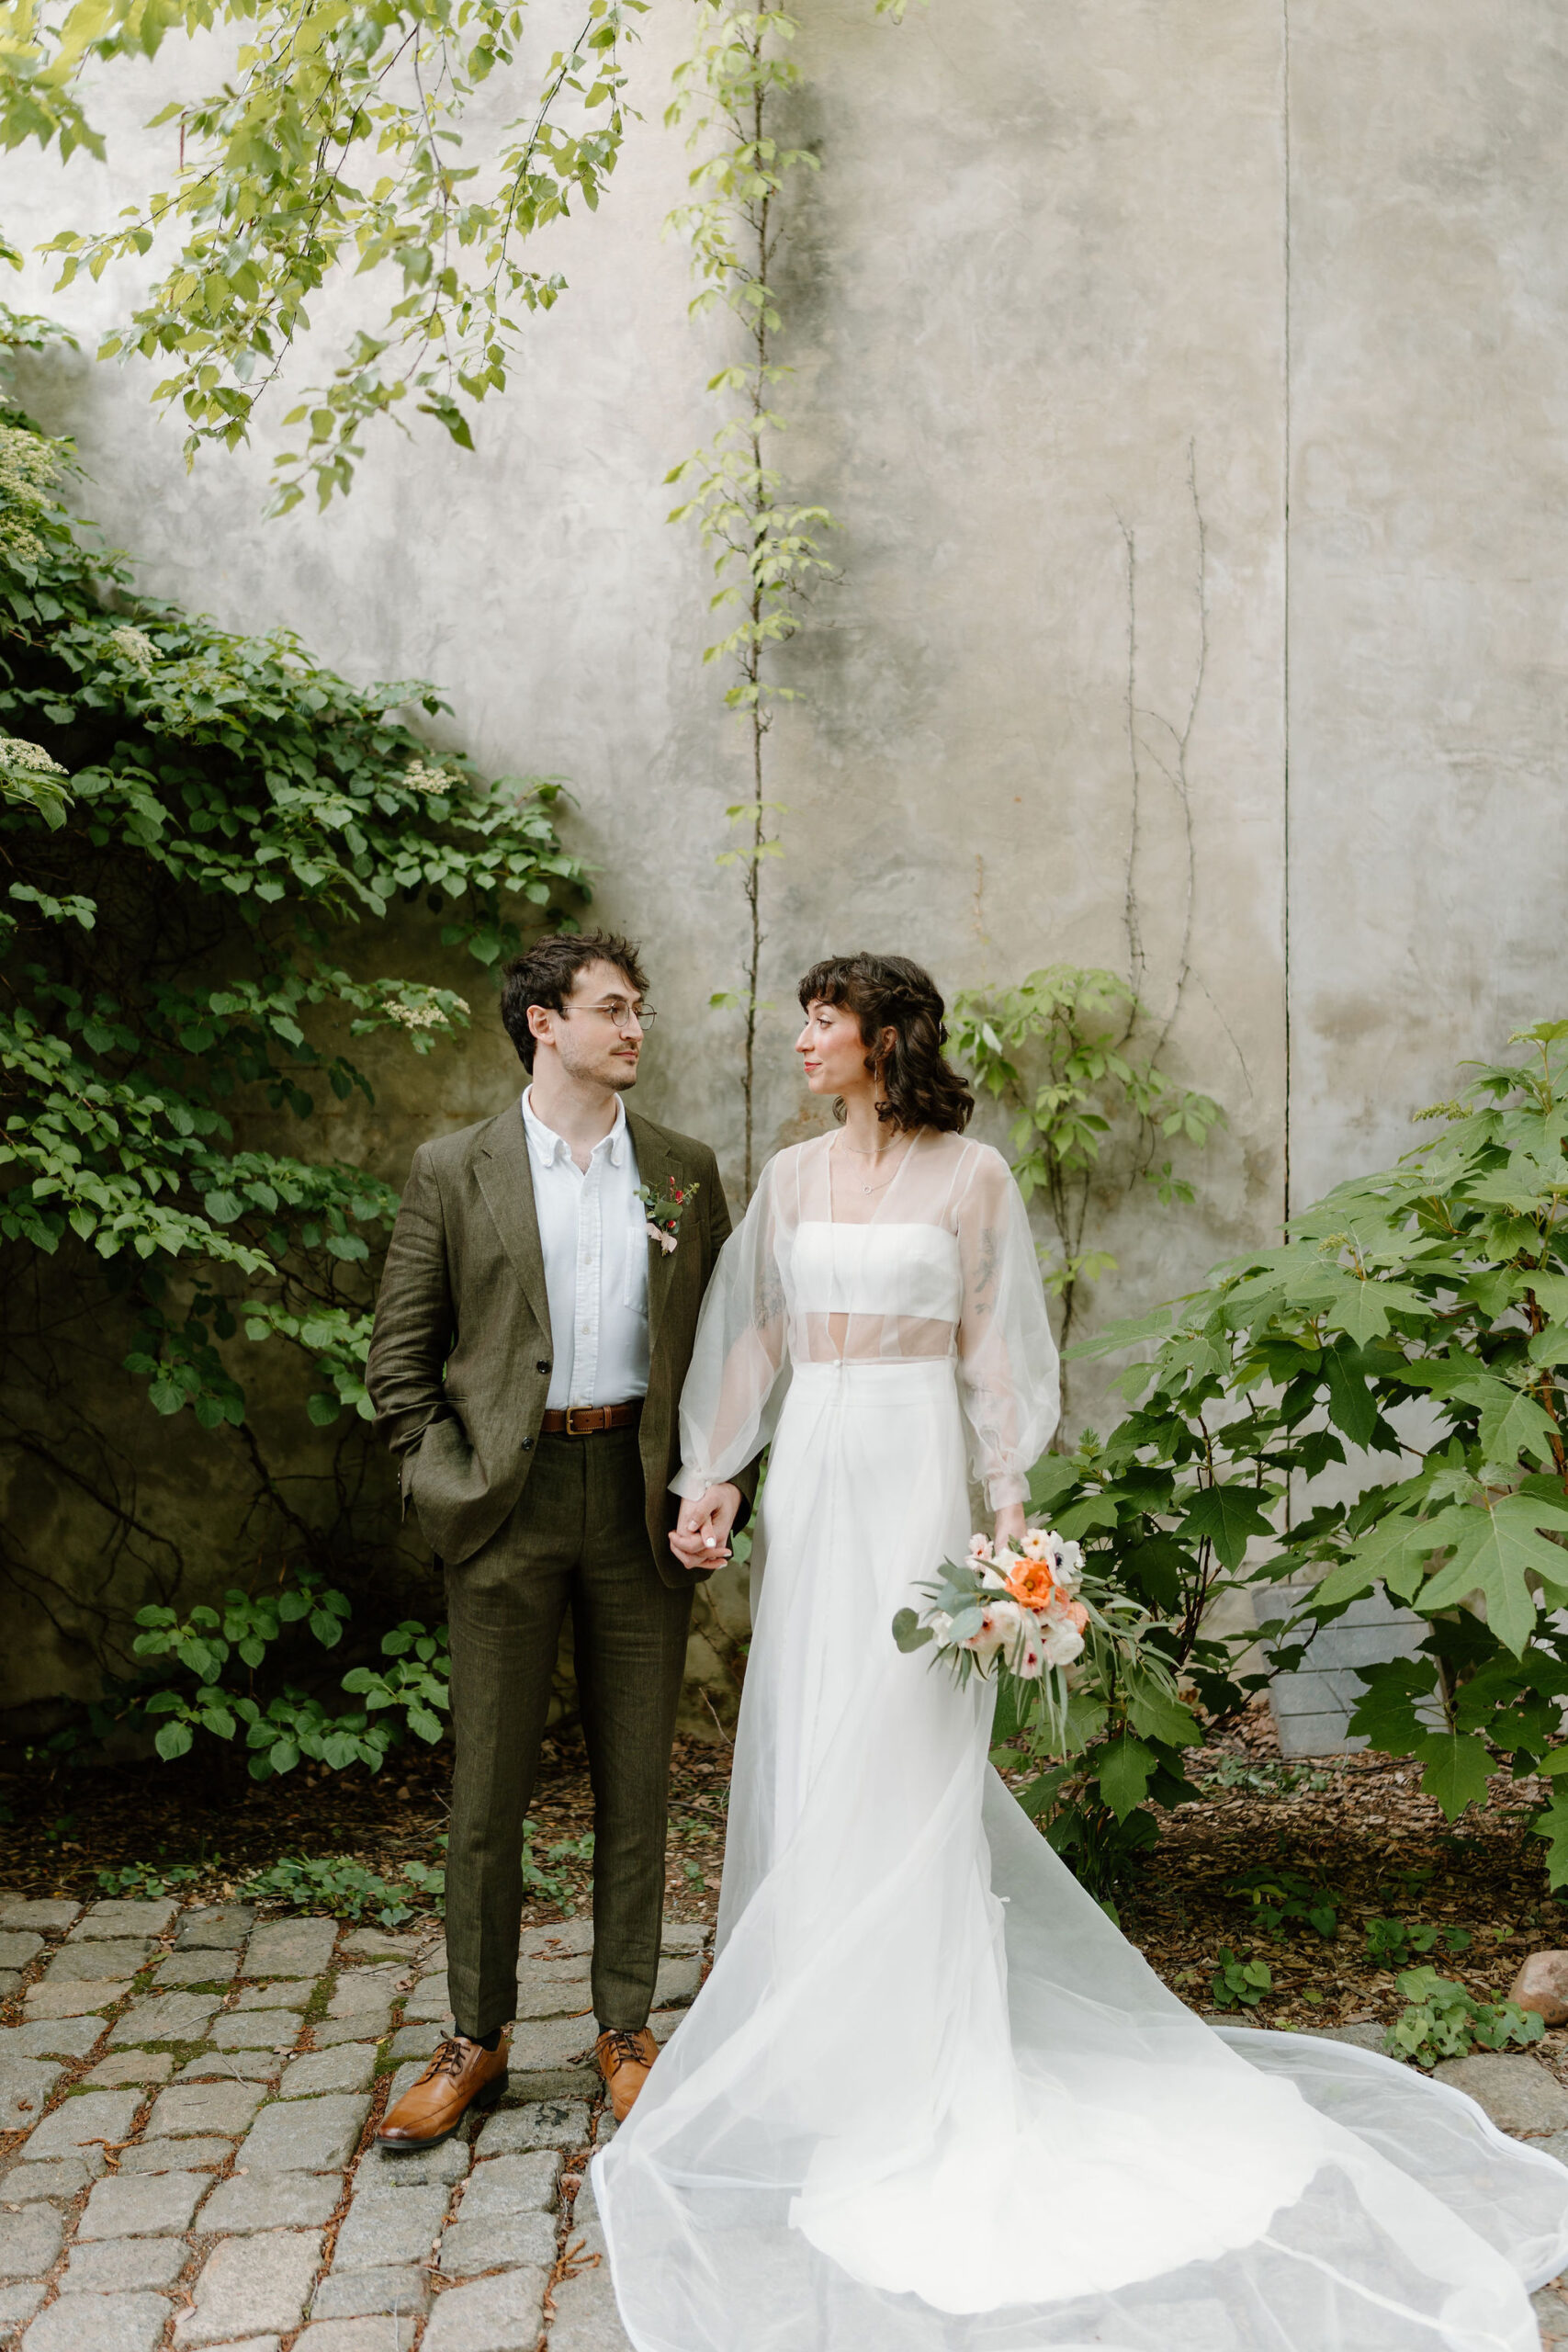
[[1007, 1373], [740, 1370]]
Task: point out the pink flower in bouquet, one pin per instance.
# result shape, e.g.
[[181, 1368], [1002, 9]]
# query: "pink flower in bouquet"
[[980, 1550], [999, 1629]]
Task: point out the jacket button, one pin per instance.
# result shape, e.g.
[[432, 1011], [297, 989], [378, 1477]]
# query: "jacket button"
[[527, 1444], [543, 1364]]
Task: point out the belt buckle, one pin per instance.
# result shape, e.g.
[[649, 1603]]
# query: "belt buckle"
[[572, 1429]]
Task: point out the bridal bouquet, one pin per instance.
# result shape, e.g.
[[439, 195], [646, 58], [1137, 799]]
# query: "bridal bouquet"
[[1012, 1609]]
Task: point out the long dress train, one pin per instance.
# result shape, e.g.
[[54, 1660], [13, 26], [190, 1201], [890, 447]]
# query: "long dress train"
[[930, 2099]]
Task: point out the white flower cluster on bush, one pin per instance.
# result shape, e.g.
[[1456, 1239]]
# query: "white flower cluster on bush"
[[133, 645], [421, 777], [28, 464], [30, 759], [420, 1016]]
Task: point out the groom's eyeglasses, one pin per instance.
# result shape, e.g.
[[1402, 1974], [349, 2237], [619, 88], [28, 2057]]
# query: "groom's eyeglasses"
[[621, 1014]]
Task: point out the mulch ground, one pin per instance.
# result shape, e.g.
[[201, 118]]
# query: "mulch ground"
[[1356, 1825]]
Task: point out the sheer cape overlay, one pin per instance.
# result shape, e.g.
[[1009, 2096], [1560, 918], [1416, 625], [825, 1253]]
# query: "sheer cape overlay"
[[929, 2099]]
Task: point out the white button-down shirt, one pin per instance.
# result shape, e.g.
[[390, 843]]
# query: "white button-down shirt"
[[593, 1233]]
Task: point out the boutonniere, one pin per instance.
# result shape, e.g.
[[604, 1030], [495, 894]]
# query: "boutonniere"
[[662, 1213]]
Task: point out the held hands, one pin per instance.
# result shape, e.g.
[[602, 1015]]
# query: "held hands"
[[701, 1535]]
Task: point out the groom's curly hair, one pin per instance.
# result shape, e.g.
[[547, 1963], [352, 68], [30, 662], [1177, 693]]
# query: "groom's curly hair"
[[915, 1085], [546, 973]]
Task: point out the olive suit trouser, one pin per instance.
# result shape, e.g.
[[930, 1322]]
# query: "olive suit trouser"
[[578, 1538]]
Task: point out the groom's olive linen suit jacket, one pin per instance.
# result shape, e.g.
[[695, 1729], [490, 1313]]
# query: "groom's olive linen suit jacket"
[[460, 1357]]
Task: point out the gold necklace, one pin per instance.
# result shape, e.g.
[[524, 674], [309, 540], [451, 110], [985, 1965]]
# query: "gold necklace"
[[875, 1155]]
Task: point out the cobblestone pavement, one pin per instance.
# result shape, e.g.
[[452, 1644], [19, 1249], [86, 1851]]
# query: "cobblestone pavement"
[[188, 2108]]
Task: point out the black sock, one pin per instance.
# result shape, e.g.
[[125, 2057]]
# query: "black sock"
[[491, 2041]]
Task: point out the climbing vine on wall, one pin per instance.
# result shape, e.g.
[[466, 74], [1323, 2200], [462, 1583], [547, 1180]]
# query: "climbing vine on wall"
[[732, 98], [194, 825]]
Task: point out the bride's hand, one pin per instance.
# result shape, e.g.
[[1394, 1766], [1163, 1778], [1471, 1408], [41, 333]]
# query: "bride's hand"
[[701, 1534], [1008, 1527]]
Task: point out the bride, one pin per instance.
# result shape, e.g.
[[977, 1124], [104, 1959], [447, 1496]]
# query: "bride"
[[930, 2099]]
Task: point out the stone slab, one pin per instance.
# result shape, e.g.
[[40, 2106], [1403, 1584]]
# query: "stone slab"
[[10, 1983], [286, 1994], [685, 1935], [449, 2161], [142, 2205], [357, 2335], [251, 2284], [74, 1999], [18, 2305], [291, 1947], [132, 2067], [552, 1993], [273, 2201], [230, 2066], [358, 1990], [46, 1911], [219, 1928], [227, 2108], [416, 2040], [175, 2155], [96, 2114], [117, 2266], [58, 2177], [347, 2068], [165, 2016], [1551, 2310], [586, 2319], [328, 2032], [304, 2134], [354, 2295], [552, 2042], [520, 2184], [470, 2247], [676, 1985], [98, 1963], [19, 1947], [196, 1968], [390, 2225], [113, 1917], [429, 2000], [25, 2086], [378, 1944], [257, 2029], [30, 2240], [563, 1939], [1518, 2093], [501, 2314], [50, 2037], [1365, 2036], [551, 2123], [106, 2324]]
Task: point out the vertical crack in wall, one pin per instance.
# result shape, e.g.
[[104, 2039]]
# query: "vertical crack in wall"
[[1285, 619]]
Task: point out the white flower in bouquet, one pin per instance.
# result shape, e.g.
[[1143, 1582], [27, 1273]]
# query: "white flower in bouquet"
[[1000, 1628]]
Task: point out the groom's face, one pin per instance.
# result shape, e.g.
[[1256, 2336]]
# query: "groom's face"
[[598, 1036]]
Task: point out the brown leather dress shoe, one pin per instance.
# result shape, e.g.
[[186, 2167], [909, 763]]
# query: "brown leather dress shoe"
[[460, 2075], [625, 2061]]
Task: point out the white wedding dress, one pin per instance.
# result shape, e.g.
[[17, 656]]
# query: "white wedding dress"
[[930, 2099]]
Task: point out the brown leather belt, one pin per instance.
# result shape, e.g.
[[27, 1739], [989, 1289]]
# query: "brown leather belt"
[[587, 1420]]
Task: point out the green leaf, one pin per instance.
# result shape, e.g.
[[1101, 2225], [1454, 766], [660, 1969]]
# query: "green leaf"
[[1125, 1770], [1227, 1516], [1497, 1548], [1456, 1770], [909, 1631]]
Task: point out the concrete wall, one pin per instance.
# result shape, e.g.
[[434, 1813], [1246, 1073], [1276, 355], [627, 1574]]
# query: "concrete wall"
[[1189, 380]]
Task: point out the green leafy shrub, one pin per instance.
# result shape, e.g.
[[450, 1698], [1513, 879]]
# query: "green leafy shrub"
[[1442, 2019], [1392, 1943], [289, 1725], [1420, 1316], [335, 1885], [1239, 1983], [1281, 1900], [193, 823], [149, 1881]]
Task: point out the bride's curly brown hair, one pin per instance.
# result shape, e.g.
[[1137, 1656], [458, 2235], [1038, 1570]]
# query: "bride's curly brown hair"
[[916, 1086]]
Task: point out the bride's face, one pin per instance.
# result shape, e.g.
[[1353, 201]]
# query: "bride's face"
[[832, 1051]]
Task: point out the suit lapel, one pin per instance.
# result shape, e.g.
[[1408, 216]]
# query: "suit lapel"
[[657, 1169], [506, 1180]]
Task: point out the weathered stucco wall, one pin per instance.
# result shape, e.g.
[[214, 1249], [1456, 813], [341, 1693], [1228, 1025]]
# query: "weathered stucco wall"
[[1191, 384]]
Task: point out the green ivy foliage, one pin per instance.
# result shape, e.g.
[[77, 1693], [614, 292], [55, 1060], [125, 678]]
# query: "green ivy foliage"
[[193, 825], [1411, 1336]]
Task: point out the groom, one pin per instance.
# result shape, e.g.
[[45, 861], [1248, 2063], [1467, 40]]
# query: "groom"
[[532, 1331]]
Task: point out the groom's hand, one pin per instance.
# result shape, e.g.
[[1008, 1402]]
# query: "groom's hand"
[[701, 1535]]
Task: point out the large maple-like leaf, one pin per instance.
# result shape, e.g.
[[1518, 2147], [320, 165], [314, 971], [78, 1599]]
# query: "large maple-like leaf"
[[1497, 1545]]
